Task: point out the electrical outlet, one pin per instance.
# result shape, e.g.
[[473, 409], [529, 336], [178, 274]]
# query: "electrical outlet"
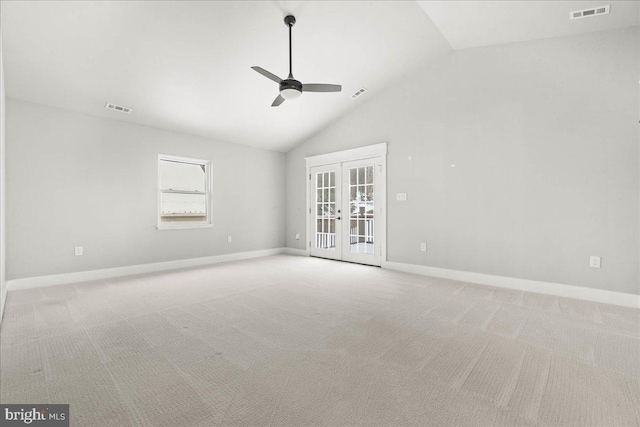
[[401, 197], [79, 251], [594, 262], [228, 239], [297, 236], [423, 247]]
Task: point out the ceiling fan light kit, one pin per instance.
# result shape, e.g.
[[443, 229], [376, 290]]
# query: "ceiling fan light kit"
[[290, 88], [290, 93]]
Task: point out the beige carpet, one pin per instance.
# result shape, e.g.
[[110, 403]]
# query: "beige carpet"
[[294, 341]]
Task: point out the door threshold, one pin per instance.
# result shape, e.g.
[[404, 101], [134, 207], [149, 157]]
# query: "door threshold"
[[348, 262]]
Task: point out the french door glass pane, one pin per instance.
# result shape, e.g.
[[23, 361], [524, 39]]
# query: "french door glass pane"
[[369, 175], [361, 222], [326, 210]]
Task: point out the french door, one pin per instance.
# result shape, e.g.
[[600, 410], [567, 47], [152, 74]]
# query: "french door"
[[346, 211]]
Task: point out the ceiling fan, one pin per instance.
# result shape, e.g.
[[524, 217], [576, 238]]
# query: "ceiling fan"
[[291, 88]]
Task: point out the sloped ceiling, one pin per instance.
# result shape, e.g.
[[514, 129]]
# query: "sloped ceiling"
[[185, 66], [468, 24]]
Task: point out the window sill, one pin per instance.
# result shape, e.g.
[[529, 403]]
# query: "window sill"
[[183, 226]]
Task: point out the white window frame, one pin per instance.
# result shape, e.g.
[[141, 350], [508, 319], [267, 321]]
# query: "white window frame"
[[207, 193]]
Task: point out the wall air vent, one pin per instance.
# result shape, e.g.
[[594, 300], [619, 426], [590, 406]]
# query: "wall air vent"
[[115, 107], [585, 13], [359, 92]]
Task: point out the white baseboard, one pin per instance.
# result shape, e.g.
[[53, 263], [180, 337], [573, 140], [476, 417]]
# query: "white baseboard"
[[555, 289], [3, 300], [87, 276], [294, 251]]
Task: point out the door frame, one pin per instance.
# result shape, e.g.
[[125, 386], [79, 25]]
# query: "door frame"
[[353, 154]]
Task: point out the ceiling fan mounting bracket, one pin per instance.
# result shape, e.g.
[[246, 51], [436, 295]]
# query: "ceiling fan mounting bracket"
[[289, 20]]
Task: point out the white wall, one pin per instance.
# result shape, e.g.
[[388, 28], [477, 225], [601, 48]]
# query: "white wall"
[[78, 180], [3, 284], [544, 136]]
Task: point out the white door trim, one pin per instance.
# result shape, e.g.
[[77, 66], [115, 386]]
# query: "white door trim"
[[359, 153]]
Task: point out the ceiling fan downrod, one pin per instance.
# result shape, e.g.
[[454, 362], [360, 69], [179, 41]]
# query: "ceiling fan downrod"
[[290, 21]]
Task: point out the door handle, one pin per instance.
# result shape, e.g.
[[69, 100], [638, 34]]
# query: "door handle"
[[338, 218]]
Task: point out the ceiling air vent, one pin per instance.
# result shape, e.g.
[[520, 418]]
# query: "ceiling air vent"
[[115, 107], [359, 92], [585, 13]]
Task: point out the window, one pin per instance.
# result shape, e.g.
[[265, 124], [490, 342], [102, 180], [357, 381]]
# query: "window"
[[184, 192]]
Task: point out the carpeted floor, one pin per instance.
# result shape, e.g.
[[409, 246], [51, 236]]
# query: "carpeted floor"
[[295, 341]]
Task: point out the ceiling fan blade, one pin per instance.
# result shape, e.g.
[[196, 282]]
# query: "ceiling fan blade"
[[320, 87], [279, 100], [267, 74]]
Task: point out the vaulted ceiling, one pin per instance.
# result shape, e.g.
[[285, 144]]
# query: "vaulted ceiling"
[[185, 66], [468, 24]]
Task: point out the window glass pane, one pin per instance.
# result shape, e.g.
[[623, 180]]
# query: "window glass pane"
[[353, 180], [368, 209], [362, 245], [353, 236], [361, 193], [369, 176], [369, 193], [369, 237], [332, 179], [182, 176], [368, 230], [319, 184], [319, 196], [361, 227], [183, 207], [332, 194], [361, 176]]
